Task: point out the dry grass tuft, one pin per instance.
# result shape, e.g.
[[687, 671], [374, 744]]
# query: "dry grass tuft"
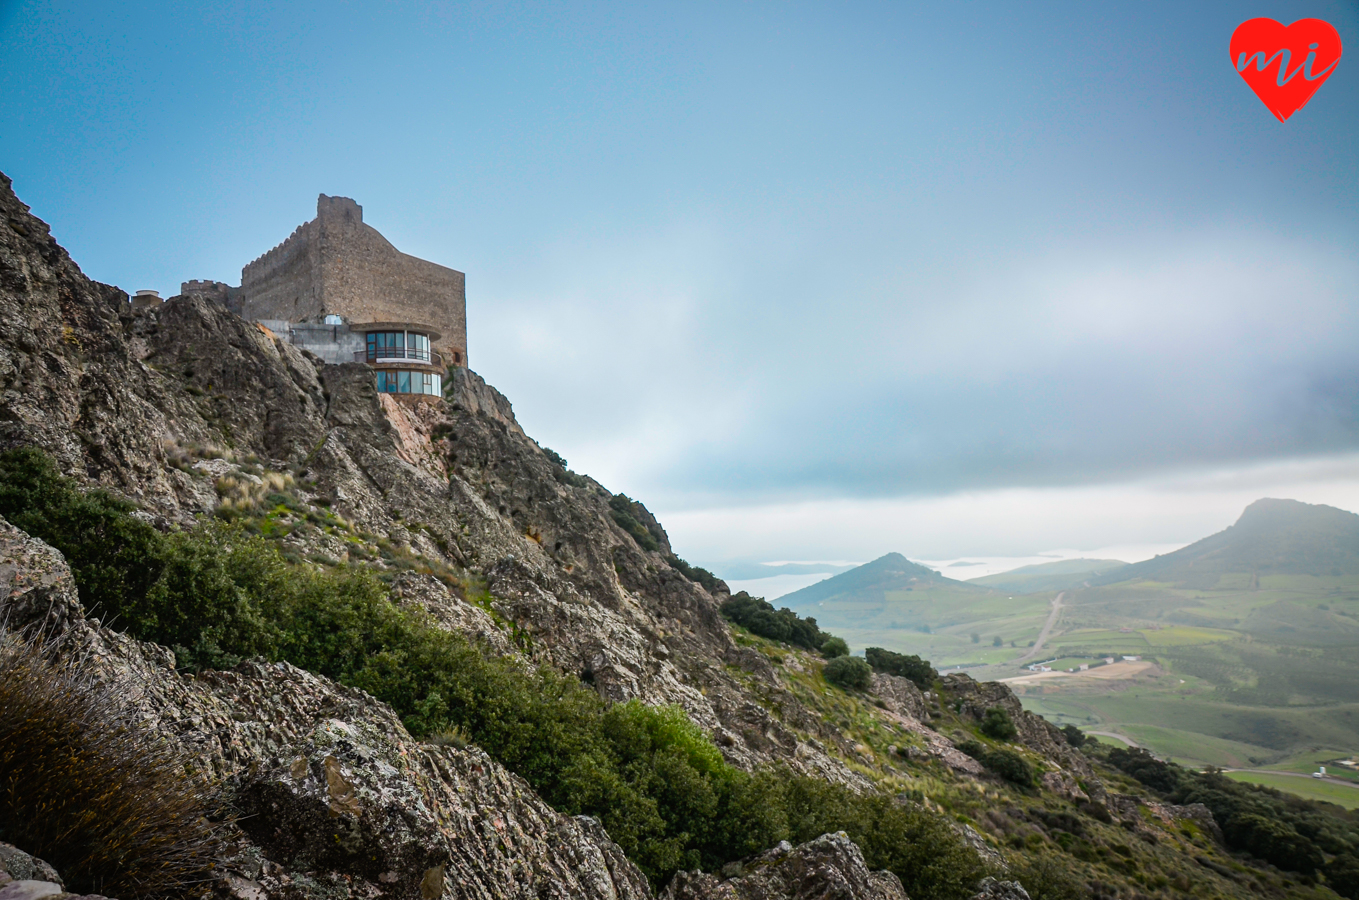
[[248, 494], [103, 799]]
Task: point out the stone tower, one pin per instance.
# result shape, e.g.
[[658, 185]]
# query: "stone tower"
[[335, 265]]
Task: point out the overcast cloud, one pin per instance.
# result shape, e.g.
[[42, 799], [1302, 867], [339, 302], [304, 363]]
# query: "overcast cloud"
[[812, 281]]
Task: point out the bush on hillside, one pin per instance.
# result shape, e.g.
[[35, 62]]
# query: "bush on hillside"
[[760, 617], [996, 723], [833, 647], [849, 672], [708, 580], [1074, 736], [888, 662], [90, 790], [114, 556], [621, 508], [1282, 829], [1006, 763], [659, 785]]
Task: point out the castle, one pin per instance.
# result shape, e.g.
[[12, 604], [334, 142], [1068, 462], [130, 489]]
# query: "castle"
[[338, 288]]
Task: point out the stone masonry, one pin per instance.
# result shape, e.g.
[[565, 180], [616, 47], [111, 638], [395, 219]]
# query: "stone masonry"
[[337, 265]]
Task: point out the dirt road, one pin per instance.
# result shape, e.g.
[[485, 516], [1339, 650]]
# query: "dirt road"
[[1043, 635]]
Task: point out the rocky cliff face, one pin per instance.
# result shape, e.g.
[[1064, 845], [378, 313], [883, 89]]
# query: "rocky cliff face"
[[187, 409]]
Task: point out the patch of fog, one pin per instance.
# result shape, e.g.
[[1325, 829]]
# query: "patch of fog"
[[982, 566], [777, 585]]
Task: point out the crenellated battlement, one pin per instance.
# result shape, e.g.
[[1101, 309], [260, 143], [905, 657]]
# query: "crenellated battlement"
[[335, 265], [271, 260]]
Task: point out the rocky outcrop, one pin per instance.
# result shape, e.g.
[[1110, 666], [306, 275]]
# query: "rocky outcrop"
[[333, 794], [828, 868], [900, 695], [169, 404], [1036, 733], [24, 877], [993, 889]]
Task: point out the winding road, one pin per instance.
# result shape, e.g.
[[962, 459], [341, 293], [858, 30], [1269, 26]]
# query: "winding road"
[[1047, 629]]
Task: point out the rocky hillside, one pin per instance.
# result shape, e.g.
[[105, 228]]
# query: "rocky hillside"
[[192, 415]]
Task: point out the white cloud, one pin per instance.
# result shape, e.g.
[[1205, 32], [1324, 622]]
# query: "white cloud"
[[1110, 521]]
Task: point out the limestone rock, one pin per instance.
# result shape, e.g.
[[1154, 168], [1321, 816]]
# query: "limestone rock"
[[332, 790], [992, 889], [1035, 732], [25, 877], [830, 867]]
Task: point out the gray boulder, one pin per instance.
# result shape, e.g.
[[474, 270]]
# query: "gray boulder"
[[828, 868]]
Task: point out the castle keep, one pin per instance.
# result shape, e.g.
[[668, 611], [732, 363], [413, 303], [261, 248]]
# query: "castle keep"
[[338, 288]]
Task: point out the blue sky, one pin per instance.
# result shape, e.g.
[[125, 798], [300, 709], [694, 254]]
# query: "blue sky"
[[813, 281]]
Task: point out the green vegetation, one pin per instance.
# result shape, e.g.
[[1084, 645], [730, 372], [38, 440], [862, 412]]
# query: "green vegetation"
[[997, 724], [1048, 577], [1074, 736], [1285, 831], [916, 669], [560, 473], [695, 574], [98, 796], [833, 647], [625, 514], [1304, 786], [760, 617], [849, 672], [659, 785], [1006, 763]]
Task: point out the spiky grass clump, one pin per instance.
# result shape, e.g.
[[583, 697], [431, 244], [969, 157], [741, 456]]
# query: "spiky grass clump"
[[103, 799]]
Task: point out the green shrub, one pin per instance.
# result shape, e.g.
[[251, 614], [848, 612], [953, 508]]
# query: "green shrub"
[[761, 618], [696, 574], [91, 790], [621, 508], [888, 662], [653, 778], [849, 672], [833, 647], [920, 847], [1006, 763], [996, 723], [114, 556], [1284, 830], [1074, 736], [1046, 877]]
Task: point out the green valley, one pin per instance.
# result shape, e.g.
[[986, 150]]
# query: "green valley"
[[1247, 642]]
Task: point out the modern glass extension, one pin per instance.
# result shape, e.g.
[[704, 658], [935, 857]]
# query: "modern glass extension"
[[397, 345], [407, 381]]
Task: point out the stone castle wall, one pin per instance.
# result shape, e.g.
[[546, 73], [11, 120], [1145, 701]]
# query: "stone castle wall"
[[337, 265]]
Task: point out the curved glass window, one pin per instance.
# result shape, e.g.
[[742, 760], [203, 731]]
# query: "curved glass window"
[[407, 382], [398, 345]]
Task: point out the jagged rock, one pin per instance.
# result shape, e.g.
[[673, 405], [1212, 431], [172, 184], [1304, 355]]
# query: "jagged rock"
[[1063, 785], [16, 865], [25, 877], [1128, 808], [991, 889], [900, 695], [830, 867], [332, 790], [1035, 732]]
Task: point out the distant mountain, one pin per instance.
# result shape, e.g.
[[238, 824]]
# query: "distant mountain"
[[892, 572], [1053, 576], [1272, 537]]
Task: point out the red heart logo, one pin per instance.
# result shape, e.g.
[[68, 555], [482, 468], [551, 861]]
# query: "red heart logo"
[[1285, 66]]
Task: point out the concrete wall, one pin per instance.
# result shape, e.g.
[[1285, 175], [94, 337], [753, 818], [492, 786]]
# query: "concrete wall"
[[337, 265]]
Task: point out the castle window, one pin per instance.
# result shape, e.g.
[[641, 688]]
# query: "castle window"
[[398, 345], [407, 382]]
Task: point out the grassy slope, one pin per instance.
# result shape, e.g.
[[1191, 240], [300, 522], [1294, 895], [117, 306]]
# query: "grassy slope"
[[1254, 667], [1053, 576]]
